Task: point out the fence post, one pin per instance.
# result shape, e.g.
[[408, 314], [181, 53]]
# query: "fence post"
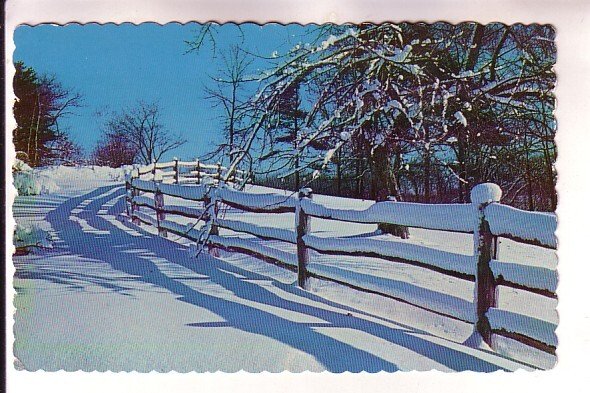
[[154, 170], [303, 227], [160, 215], [176, 171], [484, 250], [134, 206], [198, 172], [212, 210], [219, 173], [128, 179]]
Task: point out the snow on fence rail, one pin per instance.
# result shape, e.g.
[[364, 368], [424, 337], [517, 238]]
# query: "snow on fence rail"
[[485, 218]]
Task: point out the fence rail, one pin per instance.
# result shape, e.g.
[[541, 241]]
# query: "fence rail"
[[485, 218]]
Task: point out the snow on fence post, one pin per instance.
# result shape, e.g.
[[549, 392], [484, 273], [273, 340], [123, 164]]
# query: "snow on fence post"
[[303, 226], [210, 204], [485, 245], [160, 215], [176, 171]]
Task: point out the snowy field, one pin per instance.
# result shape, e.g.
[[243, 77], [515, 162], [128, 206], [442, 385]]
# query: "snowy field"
[[111, 296]]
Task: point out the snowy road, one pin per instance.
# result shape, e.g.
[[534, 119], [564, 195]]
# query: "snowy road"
[[110, 296]]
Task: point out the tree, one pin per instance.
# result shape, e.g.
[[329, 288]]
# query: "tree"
[[139, 129], [114, 151], [41, 101], [63, 151], [450, 98], [227, 93]]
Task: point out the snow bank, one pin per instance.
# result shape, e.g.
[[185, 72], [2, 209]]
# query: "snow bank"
[[532, 226], [86, 173], [450, 217], [28, 181], [45, 180], [32, 183]]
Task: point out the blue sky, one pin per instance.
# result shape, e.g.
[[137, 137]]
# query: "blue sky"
[[114, 66]]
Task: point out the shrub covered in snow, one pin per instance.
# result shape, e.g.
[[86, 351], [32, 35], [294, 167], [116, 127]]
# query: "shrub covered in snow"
[[26, 235], [20, 166], [30, 182]]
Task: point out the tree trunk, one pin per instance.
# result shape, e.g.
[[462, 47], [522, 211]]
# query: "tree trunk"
[[528, 179], [462, 157], [550, 177], [385, 188], [296, 163], [427, 187], [338, 173]]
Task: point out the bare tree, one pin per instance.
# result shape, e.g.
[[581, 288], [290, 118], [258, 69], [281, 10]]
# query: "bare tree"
[[141, 128], [228, 93], [113, 151]]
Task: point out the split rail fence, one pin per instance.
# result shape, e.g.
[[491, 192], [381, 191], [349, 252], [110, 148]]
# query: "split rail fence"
[[485, 218]]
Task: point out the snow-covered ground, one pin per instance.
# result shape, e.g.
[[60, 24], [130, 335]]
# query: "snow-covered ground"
[[111, 296]]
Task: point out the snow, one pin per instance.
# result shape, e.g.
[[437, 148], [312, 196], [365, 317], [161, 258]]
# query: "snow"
[[453, 217], [145, 201], [540, 330], [146, 218], [331, 40], [31, 183], [144, 185], [396, 249], [186, 230], [81, 173], [183, 210], [400, 55], [27, 235], [533, 226], [257, 230], [460, 118], [267, 201], [486, 193], [194, 193], [228, 311], [236, 242], [536, 277]]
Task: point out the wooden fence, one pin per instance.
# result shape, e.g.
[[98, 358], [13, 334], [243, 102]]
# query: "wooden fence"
[[485, 218]]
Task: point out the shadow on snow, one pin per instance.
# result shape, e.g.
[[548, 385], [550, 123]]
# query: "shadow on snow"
[[334, 355]]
